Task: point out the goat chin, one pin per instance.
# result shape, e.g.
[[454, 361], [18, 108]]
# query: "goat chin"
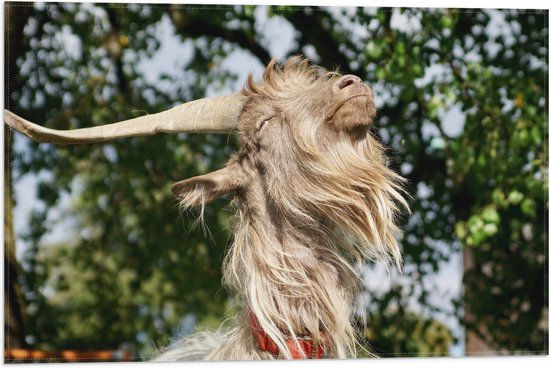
[[233, 344]]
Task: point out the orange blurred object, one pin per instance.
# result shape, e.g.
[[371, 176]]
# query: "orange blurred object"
[[67, 355]]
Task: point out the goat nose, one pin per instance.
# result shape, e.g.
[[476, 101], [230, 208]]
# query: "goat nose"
[[345, 81]]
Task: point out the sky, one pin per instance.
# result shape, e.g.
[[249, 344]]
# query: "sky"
[[170, 59]]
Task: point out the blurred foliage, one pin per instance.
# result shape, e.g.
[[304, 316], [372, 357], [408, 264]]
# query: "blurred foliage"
[[462, 108], [406, 334]]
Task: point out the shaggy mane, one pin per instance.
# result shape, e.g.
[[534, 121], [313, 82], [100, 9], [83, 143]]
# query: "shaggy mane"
[[316, 202], [278, 80]]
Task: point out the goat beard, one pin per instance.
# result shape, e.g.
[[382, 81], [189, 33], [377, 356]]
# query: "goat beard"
[[294, 264], [361, 196], [347, 192], [297, 272]]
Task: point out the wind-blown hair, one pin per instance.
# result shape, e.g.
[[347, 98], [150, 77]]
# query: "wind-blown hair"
[[315, 198]]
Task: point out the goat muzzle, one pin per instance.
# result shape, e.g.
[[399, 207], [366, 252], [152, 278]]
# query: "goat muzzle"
[[353, 104]]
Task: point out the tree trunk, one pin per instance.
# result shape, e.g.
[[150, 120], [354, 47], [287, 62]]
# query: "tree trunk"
[[15, 18], [14, 328], [475, 345]]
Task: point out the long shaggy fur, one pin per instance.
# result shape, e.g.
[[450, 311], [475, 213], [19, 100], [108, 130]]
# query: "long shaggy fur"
[[315, 199]]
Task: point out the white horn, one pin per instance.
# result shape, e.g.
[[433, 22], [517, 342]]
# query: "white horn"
[[207, 115]]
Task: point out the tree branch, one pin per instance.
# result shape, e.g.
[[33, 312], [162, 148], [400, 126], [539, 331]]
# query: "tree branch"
[[114, 47], [194, 28], [313, 32]]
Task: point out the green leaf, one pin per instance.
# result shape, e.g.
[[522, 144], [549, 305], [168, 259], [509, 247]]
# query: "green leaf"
[[490, 215], [380, 73], [249, 10], [400, 48], [446, 21], [515, 197], [461, 230], [498, 197], [373, 49], [417, 70], [528, 207], [490, 229]]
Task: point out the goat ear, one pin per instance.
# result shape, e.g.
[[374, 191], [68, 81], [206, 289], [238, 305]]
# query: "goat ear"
[[203, 189]]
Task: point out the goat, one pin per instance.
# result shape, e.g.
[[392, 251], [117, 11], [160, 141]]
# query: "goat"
[[315, 199]]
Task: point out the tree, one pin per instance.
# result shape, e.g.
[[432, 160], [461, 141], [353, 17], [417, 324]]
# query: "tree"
[[477, 175], [14, 312]]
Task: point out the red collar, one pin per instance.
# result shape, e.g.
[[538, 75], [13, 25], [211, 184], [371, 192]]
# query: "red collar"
[[303, 344]]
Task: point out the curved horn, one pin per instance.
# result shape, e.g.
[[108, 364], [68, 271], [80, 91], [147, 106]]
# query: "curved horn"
[[207, 115]]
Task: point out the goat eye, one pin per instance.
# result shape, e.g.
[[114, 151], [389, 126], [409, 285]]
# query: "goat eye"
[[262, 123]]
